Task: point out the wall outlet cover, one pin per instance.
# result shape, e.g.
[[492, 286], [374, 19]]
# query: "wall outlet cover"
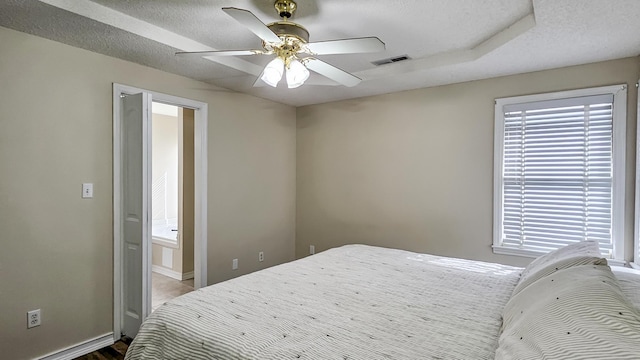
[[33, 318]]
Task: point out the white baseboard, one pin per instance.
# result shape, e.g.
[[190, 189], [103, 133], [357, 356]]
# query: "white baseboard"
[[188, 275], [80, 349], [170, 273]]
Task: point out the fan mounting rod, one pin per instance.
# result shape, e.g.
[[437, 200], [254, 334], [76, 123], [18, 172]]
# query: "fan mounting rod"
[[285, 8], [285, 29]]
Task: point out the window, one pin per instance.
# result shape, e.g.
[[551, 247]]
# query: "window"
[[559, 171]]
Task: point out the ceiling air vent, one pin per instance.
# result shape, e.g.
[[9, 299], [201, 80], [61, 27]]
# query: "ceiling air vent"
[[391, 60]]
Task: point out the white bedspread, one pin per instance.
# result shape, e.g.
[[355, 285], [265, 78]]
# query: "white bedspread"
[[353, 302]]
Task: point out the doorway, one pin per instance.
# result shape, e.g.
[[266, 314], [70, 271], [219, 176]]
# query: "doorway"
[[133, 194], [172, 202]]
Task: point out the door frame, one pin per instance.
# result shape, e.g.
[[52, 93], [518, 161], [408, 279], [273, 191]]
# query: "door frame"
[[200, 194], [635, 259]]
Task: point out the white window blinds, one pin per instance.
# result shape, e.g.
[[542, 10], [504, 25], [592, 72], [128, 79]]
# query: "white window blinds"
[[557, 173]]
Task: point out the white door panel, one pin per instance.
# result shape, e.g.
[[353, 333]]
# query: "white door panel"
[[136, 206]]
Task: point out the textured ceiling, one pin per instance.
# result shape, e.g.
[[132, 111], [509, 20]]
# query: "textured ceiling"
[[448, 41]]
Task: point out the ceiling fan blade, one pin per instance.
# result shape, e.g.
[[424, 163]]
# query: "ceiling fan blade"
[[259, 82], [332, 72], [347, 46], [220, 53], [254, 24]]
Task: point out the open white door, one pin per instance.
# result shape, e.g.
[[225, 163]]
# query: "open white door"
[[132, 202], [136, 205]]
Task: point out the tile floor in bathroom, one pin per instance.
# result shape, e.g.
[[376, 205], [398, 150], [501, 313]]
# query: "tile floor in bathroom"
[[164, 288]]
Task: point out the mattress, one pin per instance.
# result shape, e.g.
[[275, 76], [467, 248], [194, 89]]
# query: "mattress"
[[352, 302]]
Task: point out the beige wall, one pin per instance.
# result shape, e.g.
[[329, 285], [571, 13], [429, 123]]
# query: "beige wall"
[[186, 188], [250, 195], [164, 152], [56, 133], [414, 170]]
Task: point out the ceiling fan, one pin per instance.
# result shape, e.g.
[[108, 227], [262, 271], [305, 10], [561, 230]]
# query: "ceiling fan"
[[289, 42]]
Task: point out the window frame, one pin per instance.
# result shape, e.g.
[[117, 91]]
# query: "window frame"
[[619, 115], [635, 263]]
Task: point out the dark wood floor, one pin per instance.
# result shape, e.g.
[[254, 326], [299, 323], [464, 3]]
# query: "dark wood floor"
[[164, 289], [113, 352]]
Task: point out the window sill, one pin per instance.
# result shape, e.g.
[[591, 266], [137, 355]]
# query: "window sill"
[[516, 252], [165, 243], [534, 254], [614, 262]]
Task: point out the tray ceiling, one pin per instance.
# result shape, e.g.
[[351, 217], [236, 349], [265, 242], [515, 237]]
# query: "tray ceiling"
[[447, 41]]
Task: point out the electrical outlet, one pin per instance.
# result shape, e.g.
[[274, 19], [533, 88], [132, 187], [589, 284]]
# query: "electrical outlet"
[[234, 264], [33, 318], [312, 249], [261, 256]]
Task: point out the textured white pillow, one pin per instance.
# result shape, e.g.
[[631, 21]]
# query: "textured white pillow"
[[629, 280], [581, 253], [574, 313]]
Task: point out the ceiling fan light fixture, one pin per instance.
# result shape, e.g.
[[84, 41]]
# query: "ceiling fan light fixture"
[[272, 73], [297, 74], [289, 42]]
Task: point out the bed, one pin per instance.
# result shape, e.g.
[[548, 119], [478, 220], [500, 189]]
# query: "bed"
[[359, 302]]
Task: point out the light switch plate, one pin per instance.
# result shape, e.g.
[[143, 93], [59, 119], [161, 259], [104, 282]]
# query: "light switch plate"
[[87, 190]]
